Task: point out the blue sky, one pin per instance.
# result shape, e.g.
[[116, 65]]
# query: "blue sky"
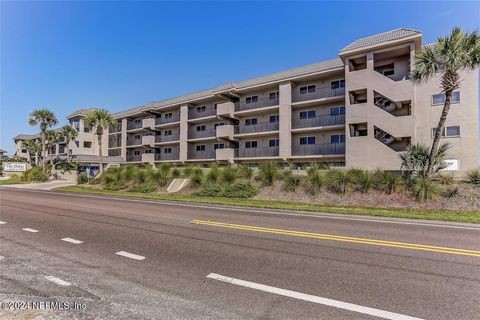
[[118, 55]]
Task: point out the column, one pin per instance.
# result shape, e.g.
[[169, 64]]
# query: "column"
[[124, 139], [183, 133], [285, 115]]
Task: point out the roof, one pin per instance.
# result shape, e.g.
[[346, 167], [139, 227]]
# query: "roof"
[[392, 35], [79, 112], [3, 151], [274, 77], [26, 136]]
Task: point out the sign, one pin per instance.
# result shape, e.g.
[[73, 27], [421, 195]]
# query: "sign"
[[452, 165], [14, 166]]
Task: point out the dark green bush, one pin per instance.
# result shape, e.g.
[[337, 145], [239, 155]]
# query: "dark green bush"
[[314, 181], [143, 188], [290, 181], [82, 178], [228, 175], [213, 174], [387, 181], [240, 189], [338, 181], [35, 174], [473, 177], [210, 190], [115, 186], [196, 178], [268, 173], [244, 172], [361, 179], [424, 189], [67, 166], [176, 173]]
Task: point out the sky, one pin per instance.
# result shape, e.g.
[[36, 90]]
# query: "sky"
[[117, 55]]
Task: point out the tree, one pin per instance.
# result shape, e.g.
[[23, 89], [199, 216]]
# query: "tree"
[[51, 137], [448, 55], [44, 119], [69, 134], [34, 148], [415, 159], [98, 120]]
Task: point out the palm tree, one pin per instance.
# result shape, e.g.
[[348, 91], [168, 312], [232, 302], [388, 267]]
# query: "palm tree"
[[99, 120], [34, 148], [448, 55], [415, 159], [69, 134], [51, 137], [45, 119]]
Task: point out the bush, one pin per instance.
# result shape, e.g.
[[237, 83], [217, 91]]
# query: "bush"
[[244, 171], [228, 175], [188, 171], [387, 181], [143, 188], [338, 181], [82, 178], [96, 180], [213, 174], [196, 178], [473, 177], [176, 173], [240, 189], [35, 174], [363, 180], [268, 173], [129, 172], [67, 166], [424, 189], [115, 186], [314, 181], [449, 192], [444, 179], [210, 190], [290, 181], [161, 176]]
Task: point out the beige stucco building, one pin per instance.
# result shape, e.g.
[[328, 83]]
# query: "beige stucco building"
[[358, 110]]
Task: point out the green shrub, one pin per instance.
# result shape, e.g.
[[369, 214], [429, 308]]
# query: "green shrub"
[[314, 181], [210, 190], [244, 172], [473, 177], [424, 189], [338, 181], [228, 175], [268, 173], [115, 186], [188, 171], [176, 173], [386, 181], [82, 178], [161, 176], [35, 174], [362, 180], [67, 166], [444, 179], [240, 189], [143, 188], [213, 174], [97, 180], [196, 178], [449, 191], [290, 181], [129, 172]]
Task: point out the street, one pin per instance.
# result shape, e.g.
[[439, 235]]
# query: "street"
[[140, 259]]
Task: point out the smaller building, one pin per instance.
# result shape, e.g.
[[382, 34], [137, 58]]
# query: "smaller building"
[[3, 152]]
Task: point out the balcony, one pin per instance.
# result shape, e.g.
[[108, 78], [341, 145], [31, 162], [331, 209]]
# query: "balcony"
[[163, 138], [114, 143], [193, 134], [258, 152], [134, 125], [134, 158], [225, 131], [148, 157], [198, 155], [318, 121], [319, 149], [260, 127], [148, 123], [134, 142], [226, 154], [175, 118], [320, 93], [174, 156], [260, 103], [148, 141], [117, 128], [207, 112], [226, 109]]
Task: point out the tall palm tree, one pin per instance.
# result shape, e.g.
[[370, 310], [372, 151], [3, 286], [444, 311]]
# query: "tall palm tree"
[[448, 55], [44, 119], [51, 137], [415, 160], [34, 148], [99, 120], [69, 134]]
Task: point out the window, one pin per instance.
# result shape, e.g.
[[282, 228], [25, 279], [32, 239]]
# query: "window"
[[219, 124], [448, 132], [200, 147], [440, 98], [168, 115], [337, 138], [24, 150], [137, 121], [76, 124], [167, 132], [307, 89], [251, 99], [337, 84], [251, 122], [136, 152], [219, 146], [87, 144], [251, 144], [273, 95], [148, 151], [201, 128], [86, 129], [307, 140], [77, 143], [307, 114], [337, 110], [137, 137], [389, 72], [273, 142], [201, 109], [274, 118], [167, 150]]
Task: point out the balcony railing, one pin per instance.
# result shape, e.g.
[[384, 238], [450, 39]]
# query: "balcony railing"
[[163, 138], [319, 121], [258, 152], [193, 134], [167, 156], [194, 114], [133, 125], [175, 118], [262, 102], [134, 142], [324, 92], [206, 154], [115, 128], [260, 127], [318, 149], [134, 157], [114, 143]]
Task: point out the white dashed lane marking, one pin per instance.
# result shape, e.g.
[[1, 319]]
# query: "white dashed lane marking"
[[58, 281], [74, 241], [30, 230], [130, 255]]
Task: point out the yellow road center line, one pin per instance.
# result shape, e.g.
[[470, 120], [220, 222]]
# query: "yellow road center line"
[[404, 245]]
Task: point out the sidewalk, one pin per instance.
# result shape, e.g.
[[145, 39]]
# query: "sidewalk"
[[42, 185]]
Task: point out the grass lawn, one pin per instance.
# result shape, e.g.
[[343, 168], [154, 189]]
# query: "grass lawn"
[[8, 181], [444, 215]]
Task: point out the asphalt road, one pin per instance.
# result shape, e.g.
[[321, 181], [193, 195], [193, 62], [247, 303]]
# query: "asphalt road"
[[130, 259]]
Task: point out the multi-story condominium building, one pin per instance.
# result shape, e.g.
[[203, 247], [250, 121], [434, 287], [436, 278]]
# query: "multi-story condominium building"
[[359, 110]]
